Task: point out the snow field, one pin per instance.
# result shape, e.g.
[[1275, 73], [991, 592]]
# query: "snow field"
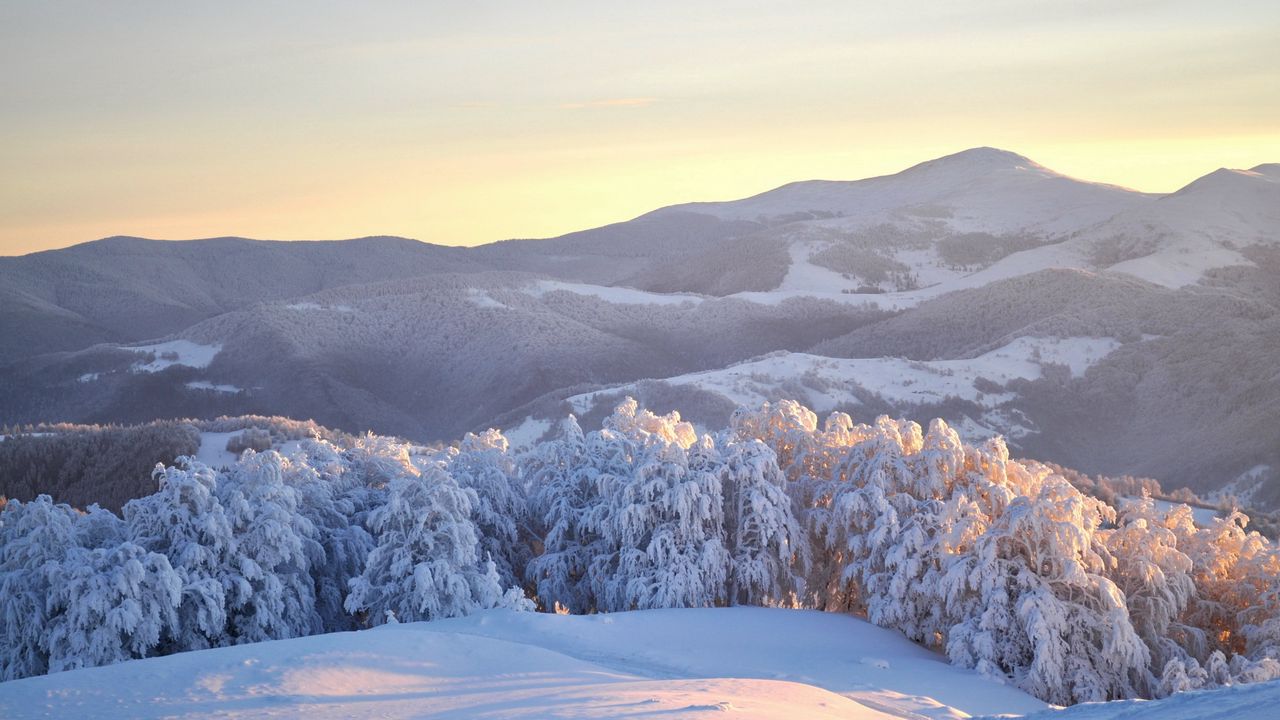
[[897, 380], [751, 662], [179, 352]]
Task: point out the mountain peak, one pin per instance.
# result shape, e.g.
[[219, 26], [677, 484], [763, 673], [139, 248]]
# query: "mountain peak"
[[1227, 180], [989, 154], [980, 158]]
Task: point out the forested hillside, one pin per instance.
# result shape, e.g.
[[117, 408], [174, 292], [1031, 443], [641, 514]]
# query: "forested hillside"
[[1088, 324]]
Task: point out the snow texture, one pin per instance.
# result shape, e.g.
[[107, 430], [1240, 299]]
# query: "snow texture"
[[615, 294], [212, 387], [499, 664], [832, 382], [175, 352]]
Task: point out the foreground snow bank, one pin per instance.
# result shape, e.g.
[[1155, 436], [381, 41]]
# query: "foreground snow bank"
[[1260, 701], [759, 663]]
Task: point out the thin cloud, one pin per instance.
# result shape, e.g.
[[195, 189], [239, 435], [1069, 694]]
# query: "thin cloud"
[[610, 103]]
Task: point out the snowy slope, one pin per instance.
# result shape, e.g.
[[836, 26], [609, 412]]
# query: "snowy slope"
[[1242, 702], [612, 294], [983, 188], [840, 653], [1202, 226], [213, 449], [753, 662], [902, 219], [803, 279], [174, 352], [824, 383]]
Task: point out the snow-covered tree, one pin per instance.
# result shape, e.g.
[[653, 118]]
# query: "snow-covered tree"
[[662, 528], [277, 546], [35, 538], [629, 522], [1155, 577], [98, 527], [1003, 564], [113, 604], [561, 476], [184, 521], [768, 548], [335, 496], [483, 464], [427, 563]]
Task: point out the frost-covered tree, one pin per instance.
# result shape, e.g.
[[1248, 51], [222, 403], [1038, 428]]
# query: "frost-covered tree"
[[629, 522], [1155, 577], [113, 604], [561, 476], [872, 541], [185, 521], [98, 527], [483, 464], [1236, 605], [427, 563], [277, 545], [1041, 559], [768, 548], [335, 495], [35, 538], [662, 527], [805, 453], [1002, 564]]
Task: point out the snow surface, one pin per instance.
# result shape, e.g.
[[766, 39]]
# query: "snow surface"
[[981, 189], [1179, 264], [214, 387], [213, 449], [752, 662], [483, 299], [826, 383], [318, 306], [1201, 516], [1260, 701], [527, 433], [803, 276], [614, 294], [1244, 486], [178, 352], [1025, 262]]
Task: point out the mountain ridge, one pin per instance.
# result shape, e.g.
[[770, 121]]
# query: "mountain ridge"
[[429, 341], [981, 158]]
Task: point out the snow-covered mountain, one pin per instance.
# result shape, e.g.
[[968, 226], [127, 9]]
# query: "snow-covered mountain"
[[978, 190], [889, 293], [1208, 224]]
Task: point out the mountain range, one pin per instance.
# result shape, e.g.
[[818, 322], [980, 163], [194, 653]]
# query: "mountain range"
[[1107, 329]]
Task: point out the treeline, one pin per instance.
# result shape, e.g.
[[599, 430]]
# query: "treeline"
[[83, 464], [1004, 565], [112, 464]]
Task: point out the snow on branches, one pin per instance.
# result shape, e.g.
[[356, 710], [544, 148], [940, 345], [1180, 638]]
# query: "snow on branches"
[[1003, 564]]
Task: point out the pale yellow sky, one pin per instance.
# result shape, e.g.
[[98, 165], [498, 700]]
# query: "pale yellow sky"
[[462, 123]]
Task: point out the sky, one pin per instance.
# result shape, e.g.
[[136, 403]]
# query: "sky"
[[467, 122]]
